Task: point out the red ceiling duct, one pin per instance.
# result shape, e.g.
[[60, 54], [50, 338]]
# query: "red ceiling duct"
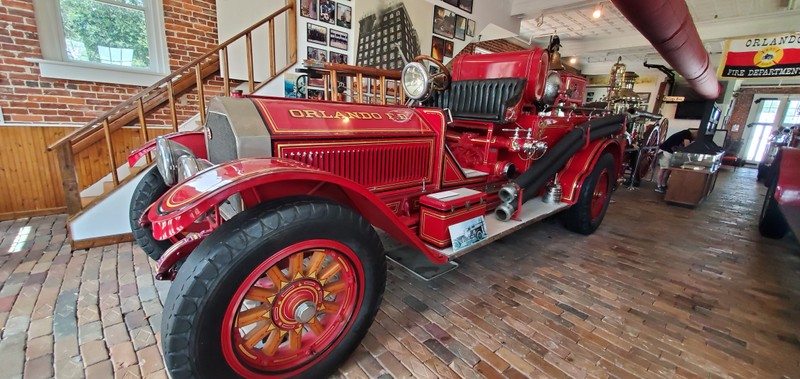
[[668, 25]]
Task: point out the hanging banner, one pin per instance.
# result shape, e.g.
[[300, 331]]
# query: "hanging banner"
[[772, 56]]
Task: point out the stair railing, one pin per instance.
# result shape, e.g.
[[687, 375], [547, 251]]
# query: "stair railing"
[[355, 84], [161, 97]]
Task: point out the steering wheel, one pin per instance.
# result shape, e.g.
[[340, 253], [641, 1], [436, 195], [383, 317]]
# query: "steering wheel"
[[441, 80]]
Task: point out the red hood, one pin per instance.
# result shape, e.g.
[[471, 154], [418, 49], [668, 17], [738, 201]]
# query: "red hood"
[[292, 119]]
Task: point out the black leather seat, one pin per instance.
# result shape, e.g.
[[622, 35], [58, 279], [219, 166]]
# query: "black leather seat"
[[479, 100]]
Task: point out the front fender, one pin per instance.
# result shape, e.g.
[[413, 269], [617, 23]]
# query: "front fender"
[[261, 179], [582, 163], [195, 141]]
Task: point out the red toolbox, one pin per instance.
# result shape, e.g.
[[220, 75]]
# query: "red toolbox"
[[440, 210]]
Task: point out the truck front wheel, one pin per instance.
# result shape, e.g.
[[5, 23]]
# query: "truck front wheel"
[[586, 215], [279, 291]]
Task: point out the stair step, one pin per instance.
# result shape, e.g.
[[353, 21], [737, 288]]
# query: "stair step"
[[87, 200], [107, 187]]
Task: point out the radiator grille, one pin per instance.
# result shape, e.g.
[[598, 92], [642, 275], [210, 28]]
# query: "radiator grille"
[[382, 165], [222, 146]]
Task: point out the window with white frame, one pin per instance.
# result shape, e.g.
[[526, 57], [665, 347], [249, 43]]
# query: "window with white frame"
[[117, 41]]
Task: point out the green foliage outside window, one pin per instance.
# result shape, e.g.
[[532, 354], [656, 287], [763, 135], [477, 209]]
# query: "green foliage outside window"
[[101, 32]]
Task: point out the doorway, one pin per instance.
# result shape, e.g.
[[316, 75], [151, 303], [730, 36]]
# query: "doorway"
[[768, 114]]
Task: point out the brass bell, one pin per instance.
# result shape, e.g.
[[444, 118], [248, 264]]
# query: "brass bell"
[[555, 56], [555, 61]]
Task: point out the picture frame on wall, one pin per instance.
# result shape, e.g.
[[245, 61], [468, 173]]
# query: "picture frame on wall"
[[461, 28], [316, 54], [465, 5], [471, 28], [308, 9], [344, 16], [437, 48], [317, 34], [448, 49], [327, 11], [444, 22], [339, 58], [452, 2], [339, 39]]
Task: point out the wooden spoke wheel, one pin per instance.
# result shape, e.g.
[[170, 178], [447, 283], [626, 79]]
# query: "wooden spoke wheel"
[[285, 289], [647, 156], [292, 307]]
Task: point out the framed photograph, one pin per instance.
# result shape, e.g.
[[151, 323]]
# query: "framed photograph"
[[448, 49], [452, 2], [295, 85], [339, 39], [468, 233], [444, 22], [338, 58], [327, 11], [316, 54], [471, 28], [437, 48], [461, 27], [308, 9], [344, 16], [465, 5], [317, 34]]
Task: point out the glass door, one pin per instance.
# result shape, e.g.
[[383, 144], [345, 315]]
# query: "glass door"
[[770, 114]]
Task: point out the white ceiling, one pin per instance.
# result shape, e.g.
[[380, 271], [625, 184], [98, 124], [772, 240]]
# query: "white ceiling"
[[598, 42]]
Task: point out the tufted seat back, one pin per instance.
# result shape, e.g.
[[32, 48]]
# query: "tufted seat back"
[[480, 100]]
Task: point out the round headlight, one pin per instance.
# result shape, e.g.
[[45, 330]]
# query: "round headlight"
[[168, 154], [416, 81], [551, 87]]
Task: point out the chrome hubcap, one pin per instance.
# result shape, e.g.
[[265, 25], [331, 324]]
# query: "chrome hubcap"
[[305, 311]]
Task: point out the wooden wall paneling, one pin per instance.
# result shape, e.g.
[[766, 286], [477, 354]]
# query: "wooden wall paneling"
[[30, 180]]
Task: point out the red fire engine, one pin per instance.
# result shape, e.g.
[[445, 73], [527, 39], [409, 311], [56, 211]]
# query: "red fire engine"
[[267, 221]]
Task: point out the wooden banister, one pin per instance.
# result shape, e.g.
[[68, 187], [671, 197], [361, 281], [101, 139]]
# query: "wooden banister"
[[357, 78]]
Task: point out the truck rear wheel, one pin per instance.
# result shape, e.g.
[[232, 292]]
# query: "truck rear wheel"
[[586, 215], [286, 290], [149, 189], [771, 223]]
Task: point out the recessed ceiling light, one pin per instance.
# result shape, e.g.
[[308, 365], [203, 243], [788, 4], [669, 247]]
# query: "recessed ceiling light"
[[598, 11], [573, 60]]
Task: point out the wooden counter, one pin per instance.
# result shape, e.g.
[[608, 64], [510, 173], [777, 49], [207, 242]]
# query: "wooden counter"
[[689, 187]]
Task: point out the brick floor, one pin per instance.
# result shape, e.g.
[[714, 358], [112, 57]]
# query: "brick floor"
[[658, 291]]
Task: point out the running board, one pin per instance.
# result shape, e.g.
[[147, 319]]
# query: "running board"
[[421, 266], [532, 211]]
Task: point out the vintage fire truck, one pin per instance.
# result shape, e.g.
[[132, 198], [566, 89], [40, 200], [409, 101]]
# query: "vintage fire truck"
[[268, 220]]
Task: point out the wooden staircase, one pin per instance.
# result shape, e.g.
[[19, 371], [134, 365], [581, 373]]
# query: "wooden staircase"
[[161, 108]]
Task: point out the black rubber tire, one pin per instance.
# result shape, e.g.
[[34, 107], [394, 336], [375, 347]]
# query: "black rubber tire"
[[578, 218], [150, 189], [197, 300], [771, 223]]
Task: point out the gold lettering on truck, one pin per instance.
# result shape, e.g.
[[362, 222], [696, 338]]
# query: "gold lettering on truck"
[[310, 113]]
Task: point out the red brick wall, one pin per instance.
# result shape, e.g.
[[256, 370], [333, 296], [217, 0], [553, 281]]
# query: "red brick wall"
[[191, 28], [744, 101]]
